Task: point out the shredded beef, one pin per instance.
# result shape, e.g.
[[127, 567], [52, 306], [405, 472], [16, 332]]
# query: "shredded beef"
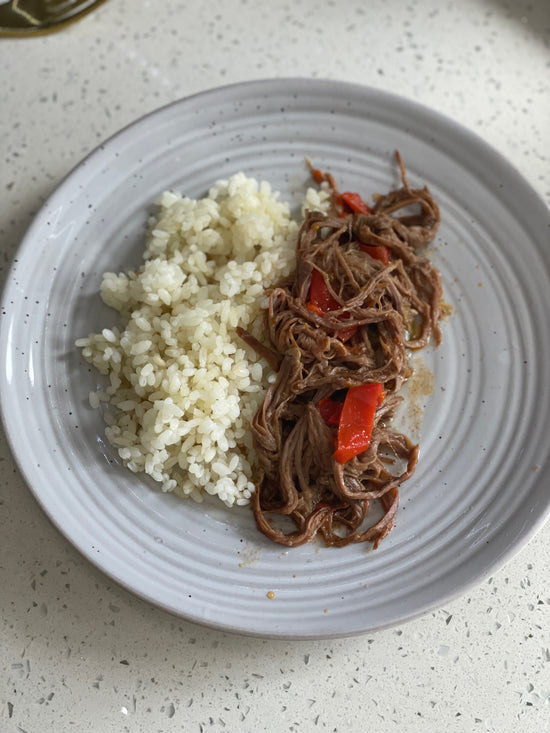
[[391, 309]]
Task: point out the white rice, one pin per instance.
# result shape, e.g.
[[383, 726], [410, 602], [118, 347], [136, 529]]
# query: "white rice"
[[181, 386]]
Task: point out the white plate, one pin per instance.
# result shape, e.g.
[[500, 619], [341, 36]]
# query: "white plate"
[[481, 487]]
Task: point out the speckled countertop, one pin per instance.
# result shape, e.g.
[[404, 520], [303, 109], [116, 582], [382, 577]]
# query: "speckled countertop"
[[78, 652]]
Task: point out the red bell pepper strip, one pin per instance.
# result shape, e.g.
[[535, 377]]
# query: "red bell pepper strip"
[[330, 410], [348, 201], [357, 420], [321, 302], [354, 202], [319, 294], [320, 176], [344, 334], [378, 252]]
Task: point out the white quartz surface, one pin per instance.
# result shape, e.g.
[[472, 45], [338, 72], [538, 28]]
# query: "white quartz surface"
[[77, 652]]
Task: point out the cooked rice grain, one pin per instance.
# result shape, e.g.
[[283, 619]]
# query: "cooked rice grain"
[[182, 387]]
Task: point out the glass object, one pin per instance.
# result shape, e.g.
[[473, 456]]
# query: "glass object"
[[36, 17]]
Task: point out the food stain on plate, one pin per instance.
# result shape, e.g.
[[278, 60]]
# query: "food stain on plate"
[[419, 385], [249, 555]]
